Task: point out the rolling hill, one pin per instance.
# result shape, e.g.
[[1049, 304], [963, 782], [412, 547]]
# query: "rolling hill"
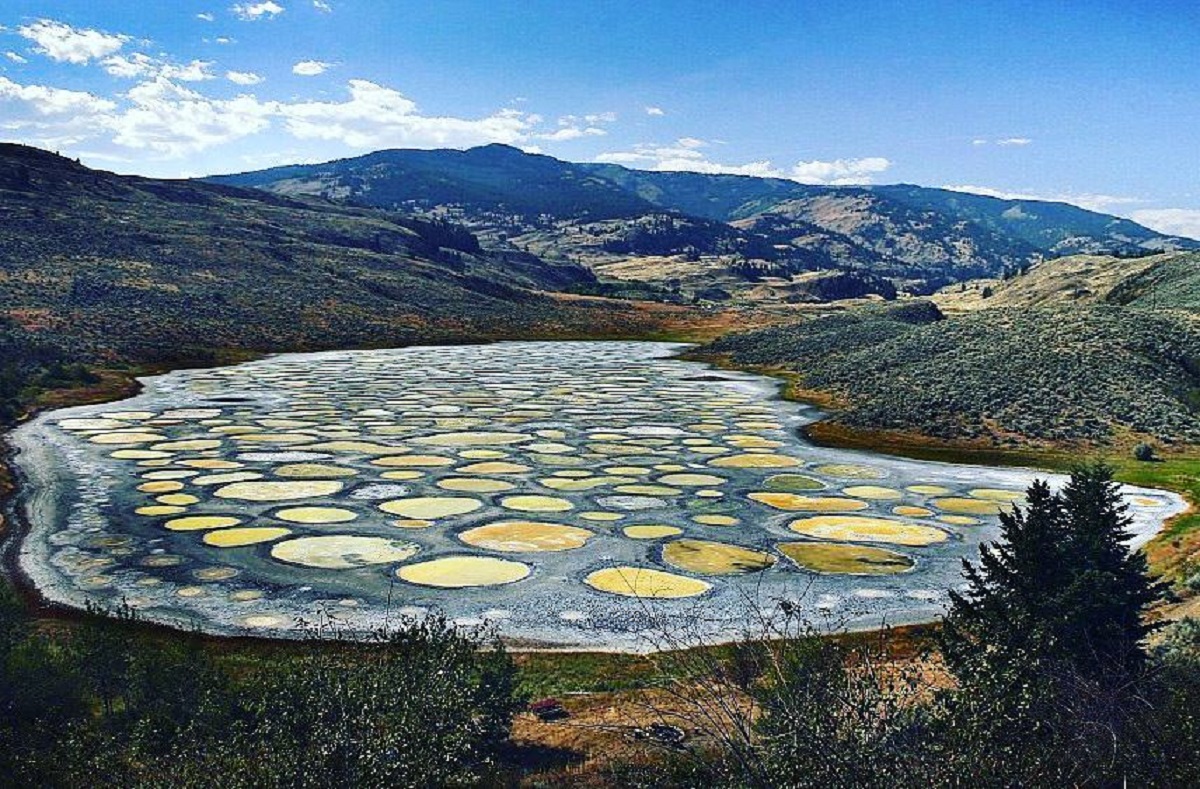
[[107, 267], [1168, 281], [1006, 376], [1086, 348], [736, 230]]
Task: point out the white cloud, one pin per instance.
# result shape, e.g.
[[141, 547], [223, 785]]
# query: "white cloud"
[[157, 116], [840, 172], [161, 117], [656, 111], [573, 127], [63, 43], [1099, 202], [50, 101], [50, 117], [1173, 221], [243, 77], [130, 66], [593, 119], [988, 191], [14, 57], [1006, 142], [682, 156], [1087, 200], [250, 12], [322, 6], [628, 158], [225, 40], [570, 133], [170, 119], [138, 65], [196, 71], [379, 117], [685, 155], [310, 68], [206, 17]]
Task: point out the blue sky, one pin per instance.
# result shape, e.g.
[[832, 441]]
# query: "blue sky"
[[1096, 103]]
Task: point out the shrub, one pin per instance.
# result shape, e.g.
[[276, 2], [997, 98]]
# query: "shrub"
[[422, 705]]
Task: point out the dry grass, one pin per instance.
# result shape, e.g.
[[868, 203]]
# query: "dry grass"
[[1076, 279], [682, 689]]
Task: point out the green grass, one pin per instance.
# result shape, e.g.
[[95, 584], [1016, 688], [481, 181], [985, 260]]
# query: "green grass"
[[558, 673], [1181, 475]]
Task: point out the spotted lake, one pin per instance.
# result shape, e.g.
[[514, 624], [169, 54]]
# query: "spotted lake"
[[570, 493]]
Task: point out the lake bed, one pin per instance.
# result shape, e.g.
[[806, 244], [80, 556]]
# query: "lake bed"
[[596, 495]]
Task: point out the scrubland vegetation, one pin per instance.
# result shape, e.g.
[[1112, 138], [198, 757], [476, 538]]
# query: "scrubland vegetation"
[[1173, 283], [29, 365], [105, 703], [1082, 374]]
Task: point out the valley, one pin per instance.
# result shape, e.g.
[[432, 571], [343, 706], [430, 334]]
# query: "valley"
[[246, 494], [413, 247]]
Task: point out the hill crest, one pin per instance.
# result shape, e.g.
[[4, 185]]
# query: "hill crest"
[[726, 231]]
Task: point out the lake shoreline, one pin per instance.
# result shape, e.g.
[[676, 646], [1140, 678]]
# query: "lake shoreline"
[[58, 608], [773, 393]]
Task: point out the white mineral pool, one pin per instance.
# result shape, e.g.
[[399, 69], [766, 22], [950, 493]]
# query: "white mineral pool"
[[579, 494]]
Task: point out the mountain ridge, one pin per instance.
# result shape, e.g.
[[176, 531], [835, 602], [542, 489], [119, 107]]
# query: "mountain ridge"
[[737, 228]]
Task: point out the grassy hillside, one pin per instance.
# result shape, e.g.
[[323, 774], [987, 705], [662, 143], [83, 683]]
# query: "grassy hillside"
[[115, 265], [1170, 281], [1089, 374]]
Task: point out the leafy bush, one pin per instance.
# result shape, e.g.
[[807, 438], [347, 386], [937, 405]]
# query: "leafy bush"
[[419, 705]]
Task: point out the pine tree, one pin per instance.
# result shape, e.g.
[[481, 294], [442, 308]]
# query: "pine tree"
[[1007, 608], [1110, 588], [1061, 587], [1046, 643]]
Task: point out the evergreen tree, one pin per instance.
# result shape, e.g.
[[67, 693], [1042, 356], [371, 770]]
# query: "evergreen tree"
[[1008, 608], [1046, 643], [1110, 587], [1062, 586]]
